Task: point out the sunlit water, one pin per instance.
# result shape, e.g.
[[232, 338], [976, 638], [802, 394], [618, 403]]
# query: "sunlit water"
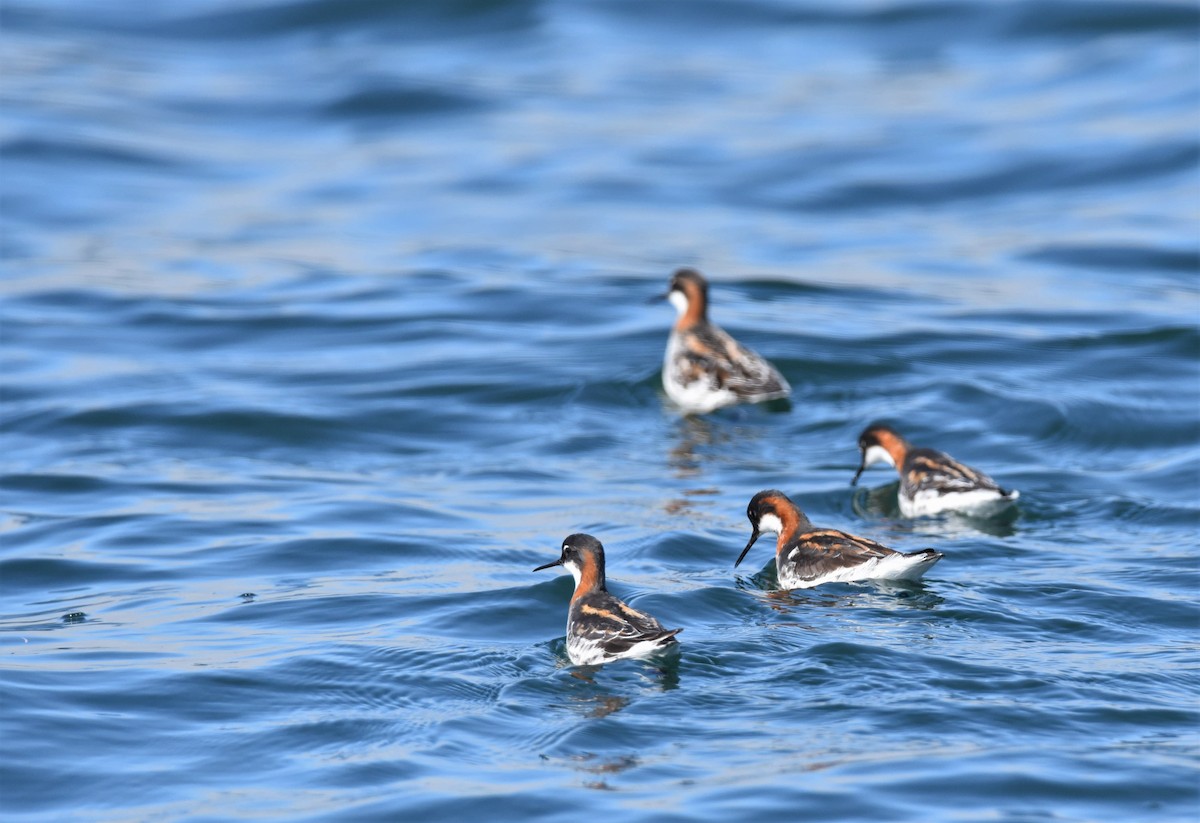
[[324, 322]]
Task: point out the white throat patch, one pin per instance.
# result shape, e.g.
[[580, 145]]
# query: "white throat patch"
[[574, 569], [877, 454], [770, 524], [679, 300]]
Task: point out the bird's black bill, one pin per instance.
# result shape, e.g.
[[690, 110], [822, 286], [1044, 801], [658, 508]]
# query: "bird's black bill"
[[742, 556], [557, 562], [658, 298], [858, 473]]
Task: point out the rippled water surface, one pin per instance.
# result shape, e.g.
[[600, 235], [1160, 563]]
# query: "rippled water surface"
[[324, 322]]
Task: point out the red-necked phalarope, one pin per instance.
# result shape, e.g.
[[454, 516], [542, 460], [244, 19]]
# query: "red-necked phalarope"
[[930, 481], [600, 627], [807, 556], [704, 368]]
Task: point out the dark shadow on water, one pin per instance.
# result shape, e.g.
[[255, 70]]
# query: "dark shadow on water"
[[781, 406], [881, 501]]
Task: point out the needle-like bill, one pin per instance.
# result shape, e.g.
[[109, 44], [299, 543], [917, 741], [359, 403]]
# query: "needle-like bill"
[[557, 562], [858, 473], [753, 537]]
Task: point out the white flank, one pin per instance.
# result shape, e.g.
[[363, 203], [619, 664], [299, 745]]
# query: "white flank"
[[697, 397], [978, 501], [891, 567], [591, 653]]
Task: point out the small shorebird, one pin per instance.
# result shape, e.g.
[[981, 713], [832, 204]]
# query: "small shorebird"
[[930, 481], [600, 626], [807, 556], [704, 368]]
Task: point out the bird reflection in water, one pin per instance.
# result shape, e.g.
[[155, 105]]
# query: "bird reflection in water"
[[594, 765], [877, 594], [686, 461], [661, 670], [692, 433]]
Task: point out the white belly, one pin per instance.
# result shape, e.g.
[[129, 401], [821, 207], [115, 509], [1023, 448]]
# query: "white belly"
[[698, 396], [591, 653], [891, 567], [977, 500]]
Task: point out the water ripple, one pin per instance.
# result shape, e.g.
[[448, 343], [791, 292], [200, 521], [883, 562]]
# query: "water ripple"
[[324, 322]]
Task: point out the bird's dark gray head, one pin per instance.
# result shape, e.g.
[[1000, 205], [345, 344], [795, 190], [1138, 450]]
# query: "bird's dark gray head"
[[688, 293], [689, 281], [879, 443], [769, 512], [875, 435], [583, 556]]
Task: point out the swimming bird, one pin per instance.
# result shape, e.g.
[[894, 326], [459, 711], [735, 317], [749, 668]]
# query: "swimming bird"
[[600, 626], [930, 481], [704, 368], [807, 556]]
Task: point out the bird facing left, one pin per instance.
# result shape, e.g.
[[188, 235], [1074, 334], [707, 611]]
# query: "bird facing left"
[[600, 626]]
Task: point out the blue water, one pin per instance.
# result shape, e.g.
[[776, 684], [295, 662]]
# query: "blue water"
[[324, 321]]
